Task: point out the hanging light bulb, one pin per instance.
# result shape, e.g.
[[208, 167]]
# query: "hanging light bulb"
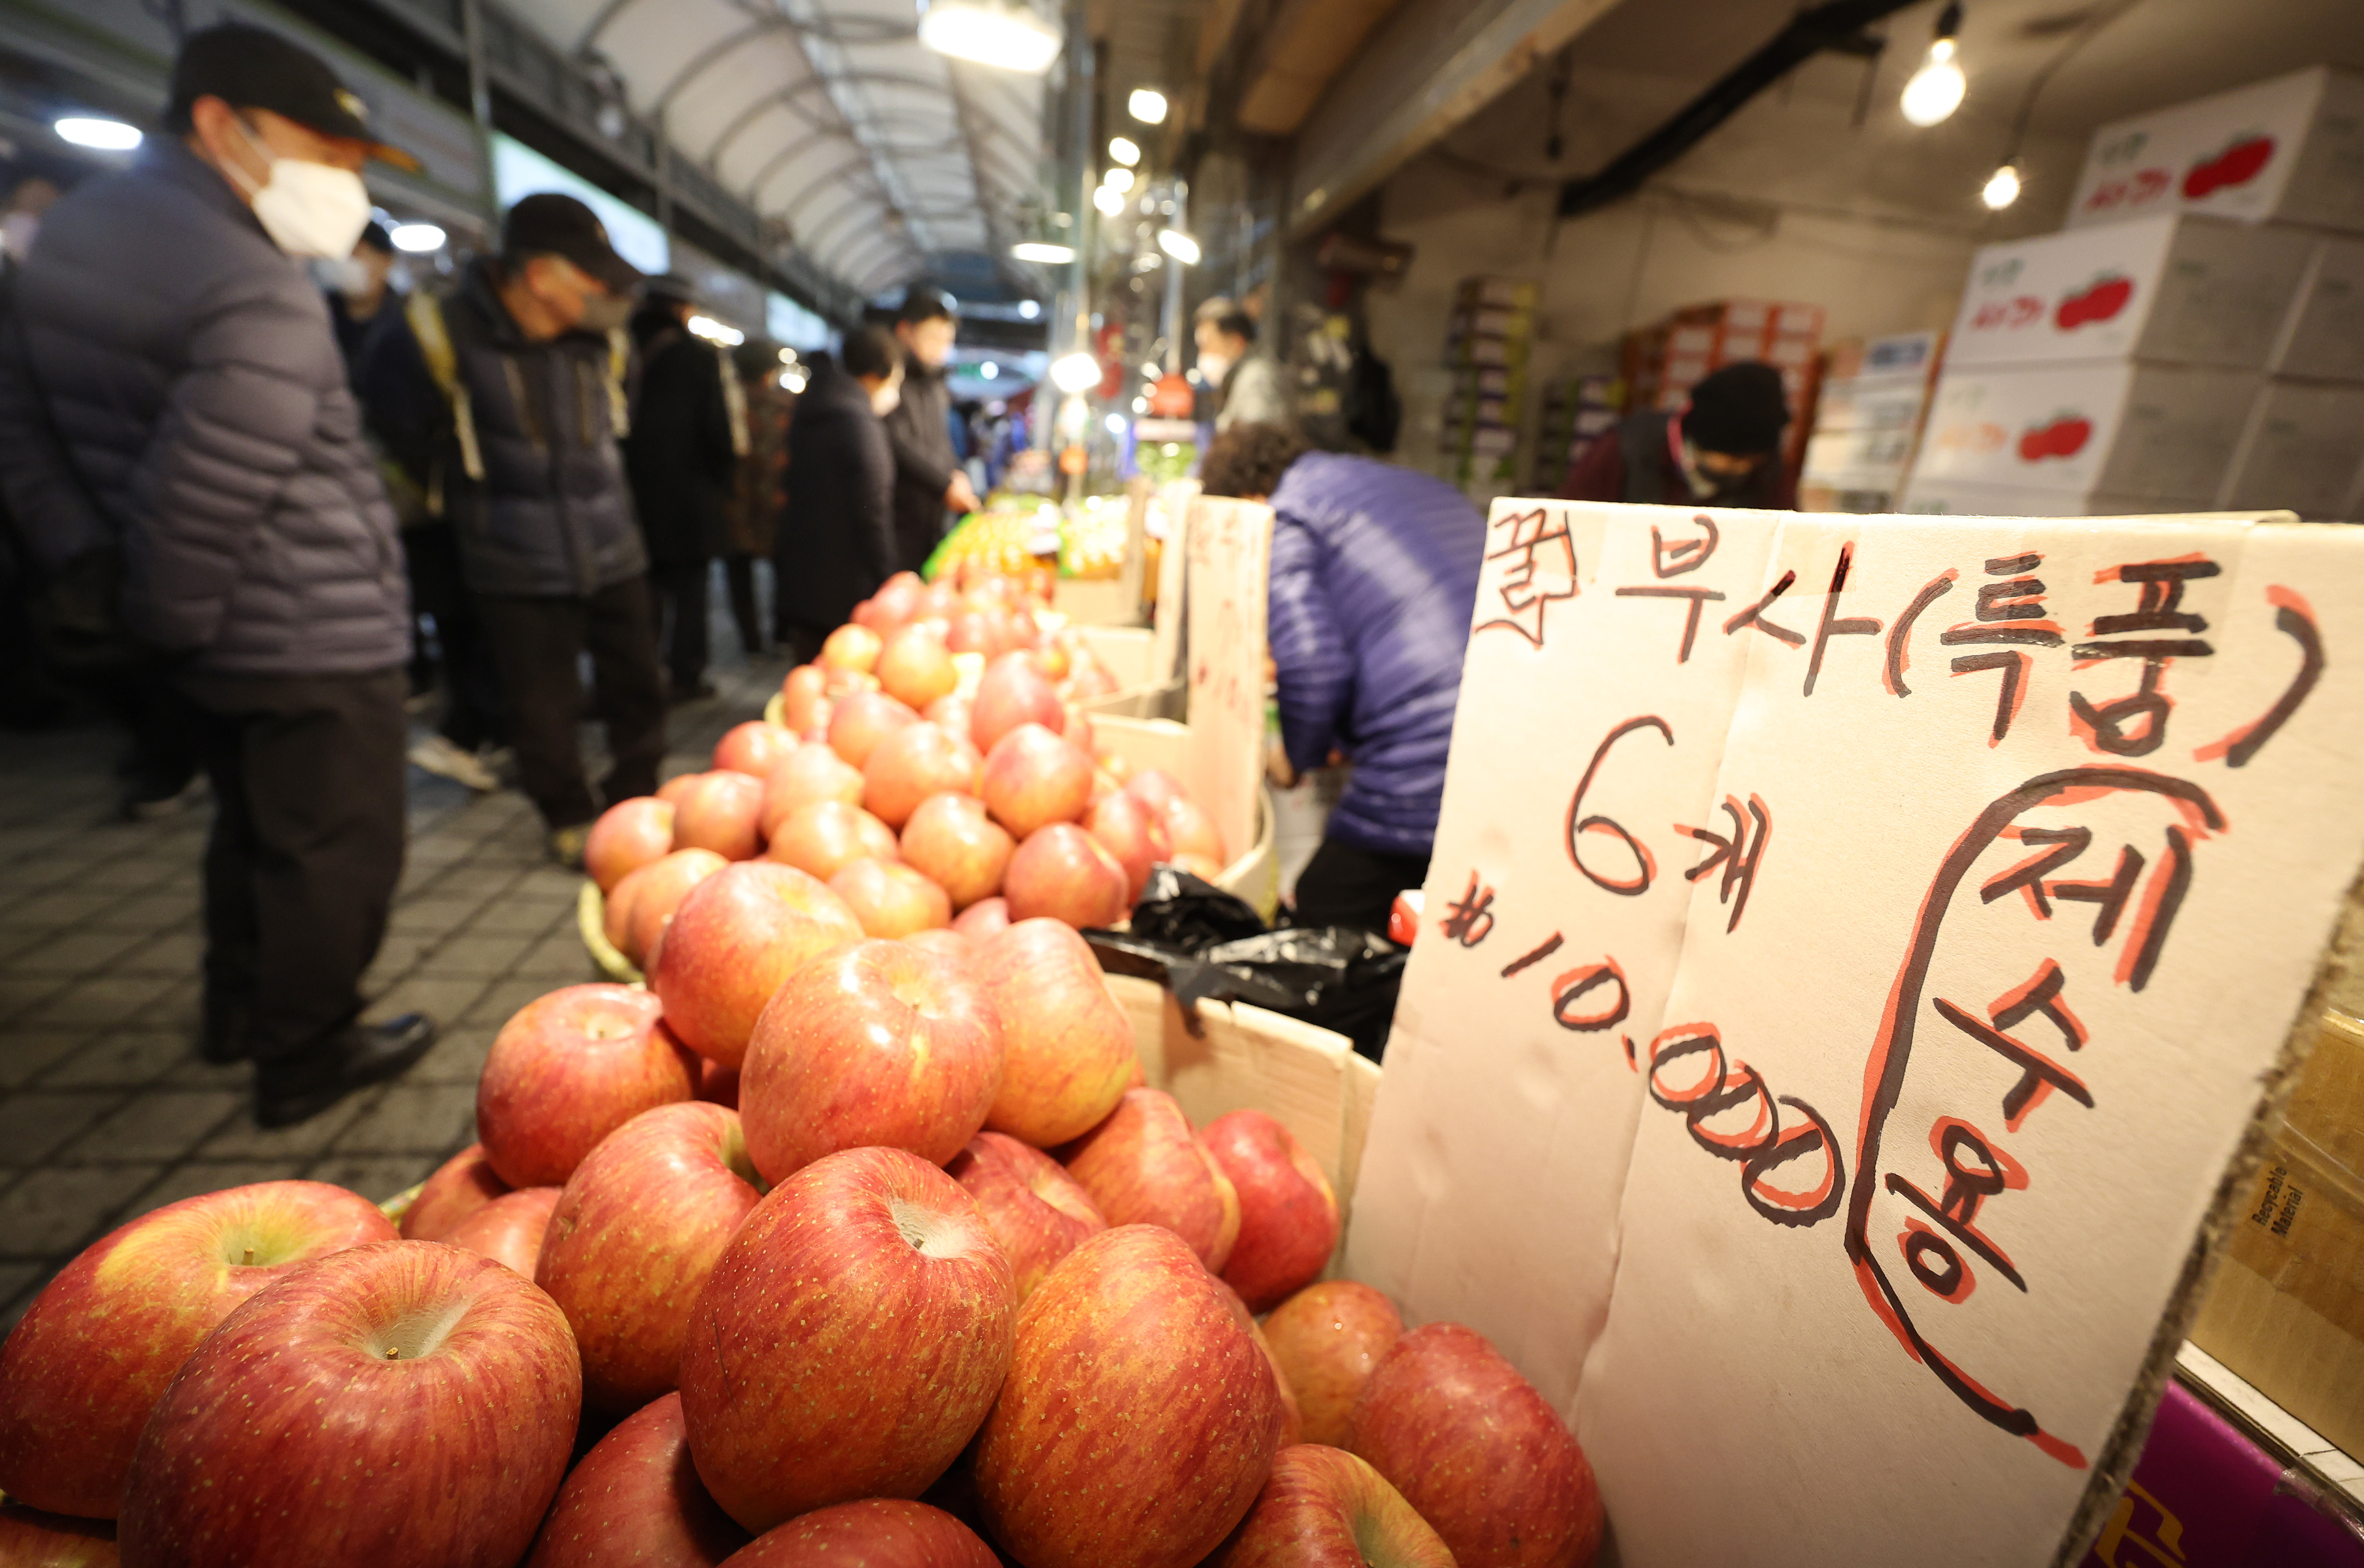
[[1042, 250], [1109, 199], [2001, 187], [1179, 246], [1001, 33], [1079, 372], [1125, 150], [1146, 105], [1118, 180], [1936, 90]]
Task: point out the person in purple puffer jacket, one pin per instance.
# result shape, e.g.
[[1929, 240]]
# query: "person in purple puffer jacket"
[[1374, 577]]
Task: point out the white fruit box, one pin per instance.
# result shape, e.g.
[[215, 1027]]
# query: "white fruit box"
[[2290, 148], [2302, 450], [2185, 290], [1858, 459], [1924, 496], [1872, 403], [2119, 428], [2324, 335]]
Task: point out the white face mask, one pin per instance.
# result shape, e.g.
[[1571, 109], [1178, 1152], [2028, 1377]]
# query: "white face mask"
[[308, 209], [886, 400], [1213, 368], [17, 232]]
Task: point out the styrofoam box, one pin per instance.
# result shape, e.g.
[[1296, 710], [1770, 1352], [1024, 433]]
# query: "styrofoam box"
[[2292, 148], [2324, 335], [2302, 450], [1858, 460], [2109, 427], [2187, 290], [1956, 498], [1870, 403]]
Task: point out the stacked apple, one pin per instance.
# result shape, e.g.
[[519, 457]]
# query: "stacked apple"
[[873, 1250], [923, 797]]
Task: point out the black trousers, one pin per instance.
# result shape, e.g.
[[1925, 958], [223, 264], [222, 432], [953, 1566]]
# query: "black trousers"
[[739, 570], [538, 645], [472, 691], [1343, 885], [679, 614], [306, 846]]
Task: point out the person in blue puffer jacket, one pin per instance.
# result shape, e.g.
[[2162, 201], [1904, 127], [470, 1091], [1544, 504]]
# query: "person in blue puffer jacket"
[[1374, 577]]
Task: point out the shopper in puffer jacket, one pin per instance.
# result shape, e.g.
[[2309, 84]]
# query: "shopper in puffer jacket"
[[1374, 577], [177, 373]]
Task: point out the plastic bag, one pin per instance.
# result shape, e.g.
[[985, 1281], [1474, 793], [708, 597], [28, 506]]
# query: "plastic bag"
[[1202, 943]]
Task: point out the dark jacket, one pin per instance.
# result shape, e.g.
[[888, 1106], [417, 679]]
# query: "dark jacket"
[[553, 517], [837, 539], [203, 426], [680, 454], [1374, 576], [920, 430], [1635, 463]]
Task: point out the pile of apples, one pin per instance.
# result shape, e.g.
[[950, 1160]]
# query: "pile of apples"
[[824, 1248], [923, 796]]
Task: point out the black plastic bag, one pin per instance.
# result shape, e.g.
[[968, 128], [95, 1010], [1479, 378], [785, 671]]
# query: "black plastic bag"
[[1202, 943]]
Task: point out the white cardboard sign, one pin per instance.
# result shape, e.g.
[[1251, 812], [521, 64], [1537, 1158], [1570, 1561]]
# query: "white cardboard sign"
[[1229, 546], [1856, 949]]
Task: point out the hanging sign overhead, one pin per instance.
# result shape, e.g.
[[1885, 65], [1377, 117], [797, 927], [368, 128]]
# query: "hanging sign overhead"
[[1856, 951]]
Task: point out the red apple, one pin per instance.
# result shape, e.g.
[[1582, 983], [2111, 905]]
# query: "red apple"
[[1289, 1216], [404, 1405], [1069, 1045], [1324, 1509], [953, 841], [96, 1350], [1138, 1419], [841, 683], [1078, 732], [1104, 785], [717, 1084], [567, 1070], [628, 835], [1472, 1446], [915, 668], [801, 1385], [1124, 826], [1292, 1429], [674, 788], [862, 721], [648, 898], [877, 1532], [1143, 1167], [1325, 1340], [720, 812], [1114, 765], [754, 747], [812, 774], [1192, 831], [944, 943], [461, 1185], [986, 917], [1035, 1209], [803, 693], [509, 1229], [1062, 872], [852, 647], [1156, 786], [902, 597], [889, 898], [914, 762], [972, 632], [824, 837], [740, 934], [1033, 778], [875, 1044], [1012, 692], [634, 1237], [32, 1539], [952, 713], [1050, 653], [635, 1501]]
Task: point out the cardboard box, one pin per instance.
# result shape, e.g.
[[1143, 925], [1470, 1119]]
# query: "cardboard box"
[[1954, 498], [2185, 290], [2291, 149], [1872, 403], [1510, 293], [2301, 451], [2116, 429], [2324, 335], [1858, 459], [2286, 1310]]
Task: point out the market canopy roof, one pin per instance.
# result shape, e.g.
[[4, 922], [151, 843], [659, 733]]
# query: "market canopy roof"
[[887, 161]]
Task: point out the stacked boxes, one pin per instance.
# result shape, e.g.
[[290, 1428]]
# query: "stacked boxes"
[[1866, 422], [1487, 351], [1577, 412], [2170, 352], [1662, 363]]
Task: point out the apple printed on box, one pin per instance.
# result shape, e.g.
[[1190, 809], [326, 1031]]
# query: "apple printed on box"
[[2288, 149], [1857, 950], [2128, 429]]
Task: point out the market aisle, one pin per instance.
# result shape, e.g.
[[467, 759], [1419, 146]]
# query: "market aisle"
[[107, 1111]]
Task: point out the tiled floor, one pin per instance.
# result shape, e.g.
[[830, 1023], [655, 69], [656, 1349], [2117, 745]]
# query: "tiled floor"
[[106, 1110]]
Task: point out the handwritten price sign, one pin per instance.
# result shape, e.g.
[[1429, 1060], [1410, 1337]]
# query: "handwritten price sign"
[[1857, 947], [1230, 552]]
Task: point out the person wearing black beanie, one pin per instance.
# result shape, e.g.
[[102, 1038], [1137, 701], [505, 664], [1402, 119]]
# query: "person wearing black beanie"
[[1723, 450]]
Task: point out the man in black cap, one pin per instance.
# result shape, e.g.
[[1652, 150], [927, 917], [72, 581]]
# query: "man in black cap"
[[928, 474], [1723, 450], [689, 425], [175, 424], [531, 356]]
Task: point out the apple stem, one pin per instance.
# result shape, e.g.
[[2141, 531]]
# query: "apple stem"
[[393, 1353], [250, 1255]]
